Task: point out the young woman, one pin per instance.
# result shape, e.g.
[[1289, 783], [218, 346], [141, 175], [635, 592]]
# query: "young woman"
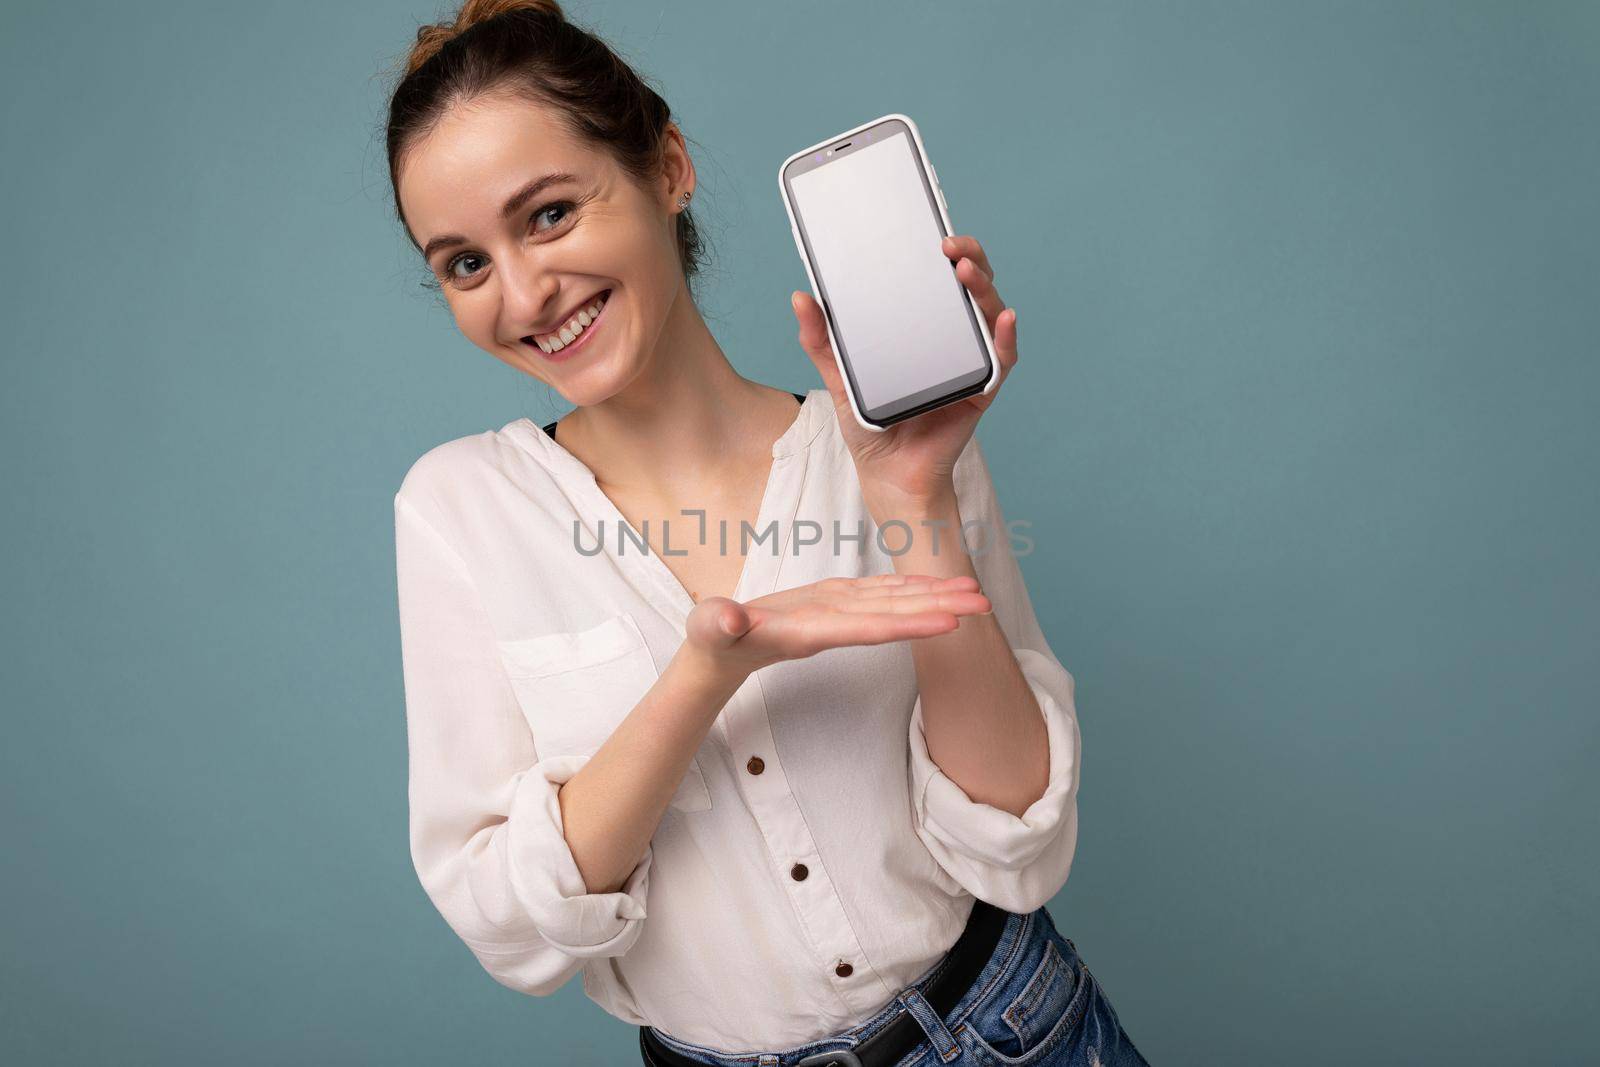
[[700, 703]]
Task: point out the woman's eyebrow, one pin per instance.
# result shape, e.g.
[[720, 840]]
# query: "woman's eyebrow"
[[512, 205]]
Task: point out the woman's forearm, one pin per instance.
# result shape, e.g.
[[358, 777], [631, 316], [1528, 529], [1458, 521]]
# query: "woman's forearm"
[[983, 725], [611, 807]]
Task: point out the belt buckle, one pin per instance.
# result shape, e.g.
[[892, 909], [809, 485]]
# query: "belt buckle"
[[842, 1057]]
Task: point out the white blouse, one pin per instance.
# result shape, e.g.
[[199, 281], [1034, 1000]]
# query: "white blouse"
[[814, 861]]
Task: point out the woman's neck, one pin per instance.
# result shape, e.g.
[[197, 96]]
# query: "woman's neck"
[[688, 422]]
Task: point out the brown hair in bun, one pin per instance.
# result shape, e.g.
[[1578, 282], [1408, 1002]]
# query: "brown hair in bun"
[[528, 47]]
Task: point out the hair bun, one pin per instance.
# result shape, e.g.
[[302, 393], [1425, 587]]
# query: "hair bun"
[[434, 36]]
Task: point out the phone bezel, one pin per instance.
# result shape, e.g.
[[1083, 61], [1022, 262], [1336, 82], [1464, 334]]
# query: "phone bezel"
[[935, 194]]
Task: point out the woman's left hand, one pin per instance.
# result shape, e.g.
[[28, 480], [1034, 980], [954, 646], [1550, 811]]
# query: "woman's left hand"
[[911, 464]]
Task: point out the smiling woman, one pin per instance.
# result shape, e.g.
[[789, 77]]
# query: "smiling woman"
[[537, 173], [599, 781], [538, 55]]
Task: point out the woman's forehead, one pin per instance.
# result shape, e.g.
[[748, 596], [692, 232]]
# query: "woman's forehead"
[[481, 153]]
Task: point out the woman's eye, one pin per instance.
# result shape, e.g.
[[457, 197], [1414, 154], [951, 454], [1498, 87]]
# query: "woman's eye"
[[559, 205], [474, 260], [470, 257]]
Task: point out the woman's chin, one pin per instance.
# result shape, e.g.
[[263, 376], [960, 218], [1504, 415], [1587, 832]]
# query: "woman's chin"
[[592, 383]]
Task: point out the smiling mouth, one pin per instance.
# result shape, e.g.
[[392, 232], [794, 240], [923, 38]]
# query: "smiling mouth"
[[572, 332]]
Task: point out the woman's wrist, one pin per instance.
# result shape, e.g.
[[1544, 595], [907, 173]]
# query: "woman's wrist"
[[887, 505], [701, 671]]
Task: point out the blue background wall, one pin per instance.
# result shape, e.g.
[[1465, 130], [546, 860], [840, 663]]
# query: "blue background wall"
[[1304, 423]]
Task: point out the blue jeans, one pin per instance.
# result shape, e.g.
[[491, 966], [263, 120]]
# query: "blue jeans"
[[1033, 1003]]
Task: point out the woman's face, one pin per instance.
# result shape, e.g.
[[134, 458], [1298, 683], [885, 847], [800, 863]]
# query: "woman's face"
[[516, 262]]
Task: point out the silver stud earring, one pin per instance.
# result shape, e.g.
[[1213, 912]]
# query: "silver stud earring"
[[683, 201]]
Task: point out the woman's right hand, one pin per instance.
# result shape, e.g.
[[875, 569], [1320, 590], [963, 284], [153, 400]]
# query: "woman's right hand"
[[739, 638]]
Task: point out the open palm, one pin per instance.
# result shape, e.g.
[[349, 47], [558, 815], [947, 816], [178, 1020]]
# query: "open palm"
[[831, 613]]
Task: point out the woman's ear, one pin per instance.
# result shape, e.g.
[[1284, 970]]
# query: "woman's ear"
[[678, 175]]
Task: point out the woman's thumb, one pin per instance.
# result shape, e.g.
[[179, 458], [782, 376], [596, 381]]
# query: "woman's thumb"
[[814, 341], [719, 621], [733, 620]]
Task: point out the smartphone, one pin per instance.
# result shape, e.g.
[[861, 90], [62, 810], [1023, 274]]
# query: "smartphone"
[[868, 216]]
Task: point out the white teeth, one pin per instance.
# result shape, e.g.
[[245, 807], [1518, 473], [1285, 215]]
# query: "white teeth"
[[569, 332]]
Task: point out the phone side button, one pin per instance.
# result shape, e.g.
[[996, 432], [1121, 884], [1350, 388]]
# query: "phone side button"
[[938, 190]]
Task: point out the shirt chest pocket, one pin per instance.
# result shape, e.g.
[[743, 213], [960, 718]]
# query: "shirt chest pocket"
[[575, 688]]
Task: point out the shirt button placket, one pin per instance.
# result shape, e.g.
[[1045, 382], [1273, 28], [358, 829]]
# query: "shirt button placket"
[[776, 811]]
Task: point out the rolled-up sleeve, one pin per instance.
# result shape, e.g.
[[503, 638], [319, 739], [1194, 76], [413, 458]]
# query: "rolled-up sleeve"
[[485, 825], [1014, 862]]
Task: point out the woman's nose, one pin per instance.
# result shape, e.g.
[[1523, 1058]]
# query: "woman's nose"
[[525, 294]]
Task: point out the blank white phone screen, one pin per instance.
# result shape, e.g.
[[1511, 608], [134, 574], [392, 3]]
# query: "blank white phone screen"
[[897, 304]]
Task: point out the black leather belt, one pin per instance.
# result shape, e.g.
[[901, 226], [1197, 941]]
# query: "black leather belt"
[[951, 980]]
